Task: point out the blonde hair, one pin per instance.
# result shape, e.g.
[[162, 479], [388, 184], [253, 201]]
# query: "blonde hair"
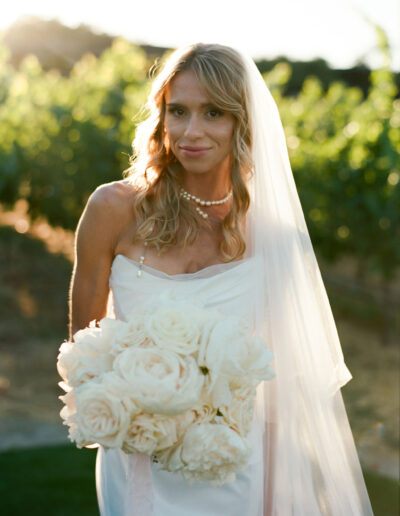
[[159, 211]]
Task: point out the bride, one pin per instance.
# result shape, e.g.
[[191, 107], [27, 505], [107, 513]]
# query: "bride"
[[209, 207]]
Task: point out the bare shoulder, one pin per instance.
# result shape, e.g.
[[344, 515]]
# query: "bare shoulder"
[[107, 212], [114, 197]]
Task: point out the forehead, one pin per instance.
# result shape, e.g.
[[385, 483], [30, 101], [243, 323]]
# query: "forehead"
[[186, 88]]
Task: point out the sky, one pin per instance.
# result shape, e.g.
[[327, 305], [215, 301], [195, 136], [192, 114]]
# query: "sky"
[[299, 29]]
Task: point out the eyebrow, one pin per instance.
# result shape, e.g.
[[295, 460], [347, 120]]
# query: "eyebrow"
[[177, 104]]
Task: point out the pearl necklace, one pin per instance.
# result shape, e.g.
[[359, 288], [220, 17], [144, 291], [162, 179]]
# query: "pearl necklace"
[[189, 197]]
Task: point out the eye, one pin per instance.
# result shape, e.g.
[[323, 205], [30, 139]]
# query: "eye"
[[214, 113], [176, 111]]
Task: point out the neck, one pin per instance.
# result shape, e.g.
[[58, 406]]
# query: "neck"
[[209, 186]]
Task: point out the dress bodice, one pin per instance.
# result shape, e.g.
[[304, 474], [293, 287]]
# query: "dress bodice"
[[227, 287]]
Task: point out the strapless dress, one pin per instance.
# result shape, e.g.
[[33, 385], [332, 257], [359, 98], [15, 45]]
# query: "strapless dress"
[[229, 288]]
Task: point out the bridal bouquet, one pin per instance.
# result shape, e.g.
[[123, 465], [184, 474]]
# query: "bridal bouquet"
[[176, 382]]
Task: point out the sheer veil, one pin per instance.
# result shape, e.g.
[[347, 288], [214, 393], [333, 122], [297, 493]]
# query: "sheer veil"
[[310, 463]]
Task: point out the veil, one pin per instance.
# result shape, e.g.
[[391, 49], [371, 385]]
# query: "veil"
[[310, 463]]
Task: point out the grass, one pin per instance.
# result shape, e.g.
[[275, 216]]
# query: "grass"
[[384, 494], [54, 481], [60, 481]]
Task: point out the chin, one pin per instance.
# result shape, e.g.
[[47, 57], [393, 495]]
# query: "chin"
[[195, 168], [201, 167]]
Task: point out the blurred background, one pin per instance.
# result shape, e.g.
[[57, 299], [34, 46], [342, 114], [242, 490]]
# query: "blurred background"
[[72, 82]]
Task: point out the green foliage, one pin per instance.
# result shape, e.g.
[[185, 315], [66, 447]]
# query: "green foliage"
[[344, 152], [60, 137]]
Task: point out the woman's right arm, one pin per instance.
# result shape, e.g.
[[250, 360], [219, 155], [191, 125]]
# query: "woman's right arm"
[[95, 240]]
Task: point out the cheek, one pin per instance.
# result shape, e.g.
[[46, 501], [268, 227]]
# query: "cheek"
[[225, 133], [172, 130]]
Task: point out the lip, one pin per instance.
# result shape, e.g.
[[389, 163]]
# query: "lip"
[[191, 151]]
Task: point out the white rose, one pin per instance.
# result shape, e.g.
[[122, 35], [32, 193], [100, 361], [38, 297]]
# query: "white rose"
[[100, 415], [238, 415], [97, 337], [88, 356], [259, 359], [68, 414], [202, 412], [162, 382], [129, 334], [120, 388], [173, 324], [108, 327], [220, 392], [69, 408], [232, 351], [243, 387], [150, 433], [184, 420], [210, 452]]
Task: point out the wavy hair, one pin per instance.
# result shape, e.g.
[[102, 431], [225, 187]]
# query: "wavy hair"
[[163, 218]]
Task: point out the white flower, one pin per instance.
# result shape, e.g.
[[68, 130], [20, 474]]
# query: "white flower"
[[150, 433], [69, 408], [243, 387], [129, 334], [174, 381], [259, 359], [231, 350], [88, 356], [120, 388], [173, 324], [100, 416], [219, 390], [108, 327], [162, 382], [68, 414], [203, 412], [184, 420], [210, 452], [238, 415]]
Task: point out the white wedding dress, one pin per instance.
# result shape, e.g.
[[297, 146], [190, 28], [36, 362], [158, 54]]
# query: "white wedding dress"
[[226, 287]]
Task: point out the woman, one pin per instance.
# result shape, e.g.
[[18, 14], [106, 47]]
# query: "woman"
[[210, 208]]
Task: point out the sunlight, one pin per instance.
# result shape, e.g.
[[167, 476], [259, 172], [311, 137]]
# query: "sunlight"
[[286, 28], [56, 239]]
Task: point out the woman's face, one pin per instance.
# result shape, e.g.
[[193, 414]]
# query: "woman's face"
[[199, 134]]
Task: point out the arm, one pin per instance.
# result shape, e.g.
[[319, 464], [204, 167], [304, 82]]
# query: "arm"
[[95, 239]]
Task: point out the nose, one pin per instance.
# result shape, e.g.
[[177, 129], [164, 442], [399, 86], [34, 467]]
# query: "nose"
[[193, 127]]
